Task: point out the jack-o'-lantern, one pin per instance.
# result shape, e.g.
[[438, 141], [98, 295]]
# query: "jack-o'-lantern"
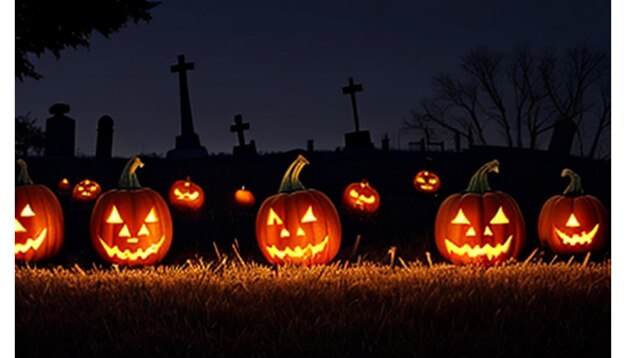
[[426, 182], [186, 195], [86, 190], [131, 225], [573, 223], [244, 198], [38, 219], [65, 187], [298, 225], [361, 198], [480, 226]]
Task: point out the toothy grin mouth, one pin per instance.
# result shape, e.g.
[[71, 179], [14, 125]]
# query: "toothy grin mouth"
[[31, 243], [583, 238], [132, 255], [297, 252], [487, 250]]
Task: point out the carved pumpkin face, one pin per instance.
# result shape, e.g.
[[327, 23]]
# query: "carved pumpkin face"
[[185, 194], [426, 182], [479, 227], [86, 190], [298, 225], [573, 224], [65, 187], [38, 222], [361, 197], [244, 198]]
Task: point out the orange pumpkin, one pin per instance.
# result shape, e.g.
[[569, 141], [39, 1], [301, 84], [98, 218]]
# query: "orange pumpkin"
[[573, 223], [131, 225], [86, 190], [298, 225], [480, 226], [244, 198], [65, 187], [38, 219], [361, 198], [426, 182], [186, 195]]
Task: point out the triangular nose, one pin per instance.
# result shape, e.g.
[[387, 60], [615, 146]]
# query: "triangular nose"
[[488, 231], [572, 221], [19, 227]]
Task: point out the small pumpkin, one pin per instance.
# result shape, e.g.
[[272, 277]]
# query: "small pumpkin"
[[186, 195], [361, 197], [64, 187], [298, 225], [426, 182], [480, 226], [131, 225], [244, 198], [573, 223], [86, 190], [39, 230]]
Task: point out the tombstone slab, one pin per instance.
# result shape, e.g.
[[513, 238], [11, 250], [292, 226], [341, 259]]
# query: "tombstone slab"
[[104, 139], [60, 132]]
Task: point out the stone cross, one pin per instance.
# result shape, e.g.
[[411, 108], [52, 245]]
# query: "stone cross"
[[240, 127], [186, 121], [352, 89]]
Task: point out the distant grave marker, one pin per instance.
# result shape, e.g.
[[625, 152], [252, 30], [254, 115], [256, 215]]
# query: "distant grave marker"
[[562, 136], [358, 138], [104, 139], [385, 142], [60, 132], [310, 145], [242, 149]]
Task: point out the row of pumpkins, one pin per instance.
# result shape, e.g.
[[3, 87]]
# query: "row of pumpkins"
[[132, 225]]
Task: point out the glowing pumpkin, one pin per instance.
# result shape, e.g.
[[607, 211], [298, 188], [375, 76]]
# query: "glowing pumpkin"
[[426, 182], [480, 226], [131, 225], [298, 225], [244, 198], [573, 223], [65, 187], [38, 219], [361, 197], [186, 195], [86, 190]]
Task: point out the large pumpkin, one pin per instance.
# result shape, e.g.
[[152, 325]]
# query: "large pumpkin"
[[298, 225], [480, 226], [361, 198], [426, 182], [186, 195], [131, 225], [38, 219], [573, 223], [86, 190]]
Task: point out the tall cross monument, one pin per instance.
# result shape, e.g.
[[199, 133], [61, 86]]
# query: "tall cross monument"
[[358, 139], [187, 143]]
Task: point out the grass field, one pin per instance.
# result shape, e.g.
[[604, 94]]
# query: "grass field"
[[236, 308]]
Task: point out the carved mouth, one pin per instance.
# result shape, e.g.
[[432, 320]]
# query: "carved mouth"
[[297, 252], [127, 254], [490, 251], [427, 187], [31, 243], [583, 238]]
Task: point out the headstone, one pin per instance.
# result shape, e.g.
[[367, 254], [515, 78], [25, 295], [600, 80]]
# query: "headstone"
[[310, 146], [358, 139], [562, 136], [385, 142], [187, 143], [457, 141], [104, 140], [60, 132], [242, 149]]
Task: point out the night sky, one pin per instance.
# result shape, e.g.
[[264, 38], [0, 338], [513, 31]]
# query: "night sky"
[[281, 64]]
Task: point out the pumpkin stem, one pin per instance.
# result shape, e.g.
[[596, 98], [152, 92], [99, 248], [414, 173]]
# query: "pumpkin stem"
[[290, 181], [479, 183], [23, 178], [128, 179], [575, 186]]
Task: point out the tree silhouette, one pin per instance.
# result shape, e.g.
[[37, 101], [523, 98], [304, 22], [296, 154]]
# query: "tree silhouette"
[[29, 138], [522, 95], [53, 26]]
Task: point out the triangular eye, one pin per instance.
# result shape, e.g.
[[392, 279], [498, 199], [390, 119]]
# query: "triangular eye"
[[273, 219], [572, 221], [421, 180], [460, 218], [499, 218], [27, 211], [114, 217], [308, 216], [151, 218], [353, 194]]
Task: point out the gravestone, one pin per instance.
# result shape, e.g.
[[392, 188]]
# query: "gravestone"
[[60, 132], [242, 149], [310, 145], [187, 143], [104, 139], [358, 139], [385, 142], [562, 136]]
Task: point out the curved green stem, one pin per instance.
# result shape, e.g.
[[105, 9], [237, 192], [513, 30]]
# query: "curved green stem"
[[479, 183], [290, 181], [23, 178], [575, 186], [128, 179]]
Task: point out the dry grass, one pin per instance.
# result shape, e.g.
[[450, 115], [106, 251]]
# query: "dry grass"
[[234, 308]]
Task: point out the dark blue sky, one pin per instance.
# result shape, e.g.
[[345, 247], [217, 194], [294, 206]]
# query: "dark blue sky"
[[281, 64]]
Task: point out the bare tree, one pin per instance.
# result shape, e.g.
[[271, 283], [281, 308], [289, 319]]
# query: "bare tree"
[[29, 138]]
